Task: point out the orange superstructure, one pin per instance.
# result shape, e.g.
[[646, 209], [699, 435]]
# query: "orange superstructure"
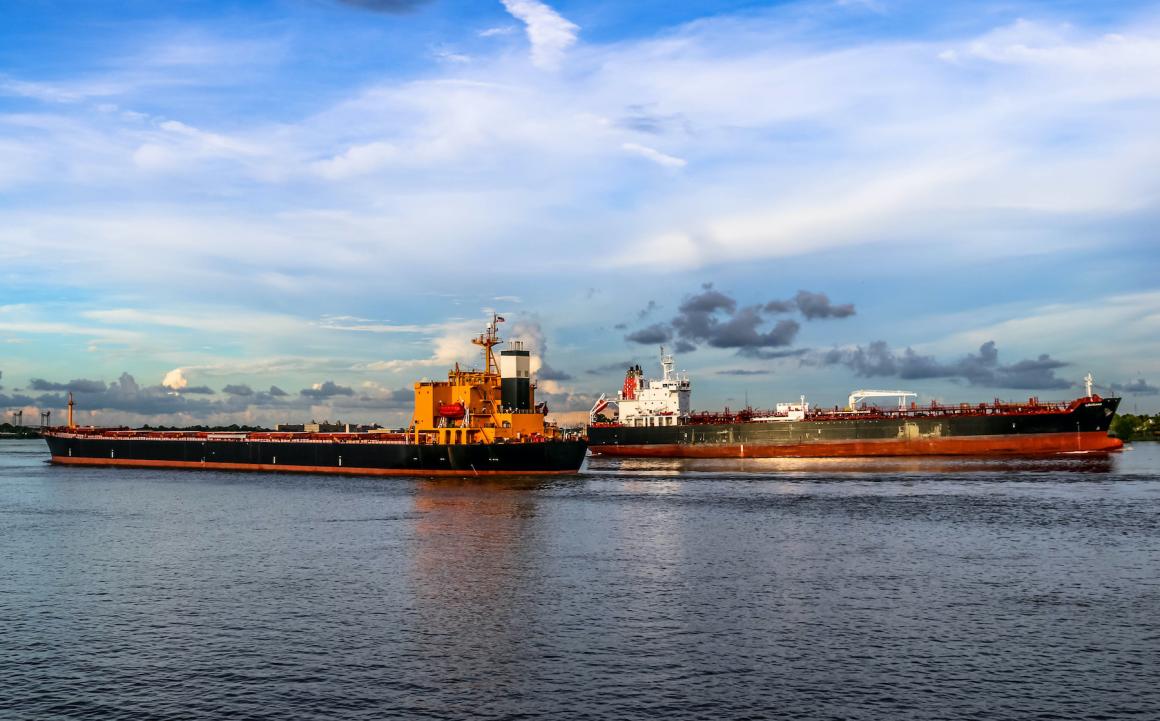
[[481, 406]]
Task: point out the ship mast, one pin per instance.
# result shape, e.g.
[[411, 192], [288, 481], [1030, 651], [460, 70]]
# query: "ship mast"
[[489, 339]]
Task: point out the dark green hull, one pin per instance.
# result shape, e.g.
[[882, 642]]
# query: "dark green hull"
[[1081, 427]]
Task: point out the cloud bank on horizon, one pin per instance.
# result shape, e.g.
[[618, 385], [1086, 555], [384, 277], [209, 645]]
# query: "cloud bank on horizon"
[[330, 196]]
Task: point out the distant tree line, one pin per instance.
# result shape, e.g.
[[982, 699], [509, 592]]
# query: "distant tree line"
[[11, 431], [1131, 427]]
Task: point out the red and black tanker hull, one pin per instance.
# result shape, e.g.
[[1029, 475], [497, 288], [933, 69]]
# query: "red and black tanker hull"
[[1082, 427], [315, 456]]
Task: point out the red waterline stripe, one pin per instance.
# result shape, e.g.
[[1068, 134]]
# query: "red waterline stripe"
[[348, 471], [1047, 443]]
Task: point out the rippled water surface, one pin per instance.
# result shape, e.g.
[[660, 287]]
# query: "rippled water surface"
[[892, 589]]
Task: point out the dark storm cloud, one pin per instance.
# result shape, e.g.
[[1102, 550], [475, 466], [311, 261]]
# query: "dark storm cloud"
[[742, 372], [548, 373], [651, 335], [396, 7], [327, 389], [817, 305], [126, 395], [742, 331], [979, 369], [1138, 387], [77, 385], [647, 310], [714, 318], [611, 368], [875, 360], [772, 354], [19, 400], [708, 301], [779, 306], [195, 390], [123, 394]]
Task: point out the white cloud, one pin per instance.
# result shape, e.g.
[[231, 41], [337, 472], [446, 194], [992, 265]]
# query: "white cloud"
[[357, 160], [800, 149], [175, 379], [497, 31], [668, 161], [1130, 320], [549, 33], [40, 91], [204, 318]]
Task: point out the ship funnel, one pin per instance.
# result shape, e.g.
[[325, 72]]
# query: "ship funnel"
[[515, 365]]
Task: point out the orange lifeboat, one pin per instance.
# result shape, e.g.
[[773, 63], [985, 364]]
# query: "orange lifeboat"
[[452, 411]]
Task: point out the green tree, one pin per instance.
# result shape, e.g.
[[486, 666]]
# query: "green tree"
[[1124, 426]]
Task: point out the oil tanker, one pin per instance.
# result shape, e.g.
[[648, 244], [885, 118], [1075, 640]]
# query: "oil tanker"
[[654, 420], [476, 422]]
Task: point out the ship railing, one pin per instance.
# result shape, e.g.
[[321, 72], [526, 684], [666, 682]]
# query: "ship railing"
[[1033, 406], [936, 410]]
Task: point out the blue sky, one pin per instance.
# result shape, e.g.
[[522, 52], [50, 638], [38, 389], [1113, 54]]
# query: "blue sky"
[[327, 197]]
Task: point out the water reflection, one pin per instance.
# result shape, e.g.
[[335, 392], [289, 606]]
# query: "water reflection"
[[1067, 463], [476, 576]]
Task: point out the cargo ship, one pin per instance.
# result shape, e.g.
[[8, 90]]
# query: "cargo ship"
[[476, 422], [654, 420]]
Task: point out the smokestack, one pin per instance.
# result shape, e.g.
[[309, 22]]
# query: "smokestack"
[[515, 374]]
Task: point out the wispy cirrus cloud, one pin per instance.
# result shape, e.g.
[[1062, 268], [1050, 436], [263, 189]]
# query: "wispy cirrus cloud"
[[549, 32], [668, 161]]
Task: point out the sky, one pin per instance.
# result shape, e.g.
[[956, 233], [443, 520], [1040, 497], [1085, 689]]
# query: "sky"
[[282, 210]]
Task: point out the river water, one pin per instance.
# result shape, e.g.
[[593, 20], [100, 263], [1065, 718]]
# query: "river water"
[[777, 589]]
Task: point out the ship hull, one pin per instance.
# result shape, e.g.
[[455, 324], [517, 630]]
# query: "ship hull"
[[1082, 428], [330, 457]]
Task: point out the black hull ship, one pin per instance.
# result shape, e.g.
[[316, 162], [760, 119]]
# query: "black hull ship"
[[352, 454], [474, 423], [654, 421]]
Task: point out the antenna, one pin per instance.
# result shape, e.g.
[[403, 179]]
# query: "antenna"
[[1087, 381], [489, 339], [666, 365]]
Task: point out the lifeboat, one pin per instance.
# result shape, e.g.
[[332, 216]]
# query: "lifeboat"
[[453, 411]]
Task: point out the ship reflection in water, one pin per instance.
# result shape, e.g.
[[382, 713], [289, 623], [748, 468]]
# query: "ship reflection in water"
[[473, 576], [812, 467]]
